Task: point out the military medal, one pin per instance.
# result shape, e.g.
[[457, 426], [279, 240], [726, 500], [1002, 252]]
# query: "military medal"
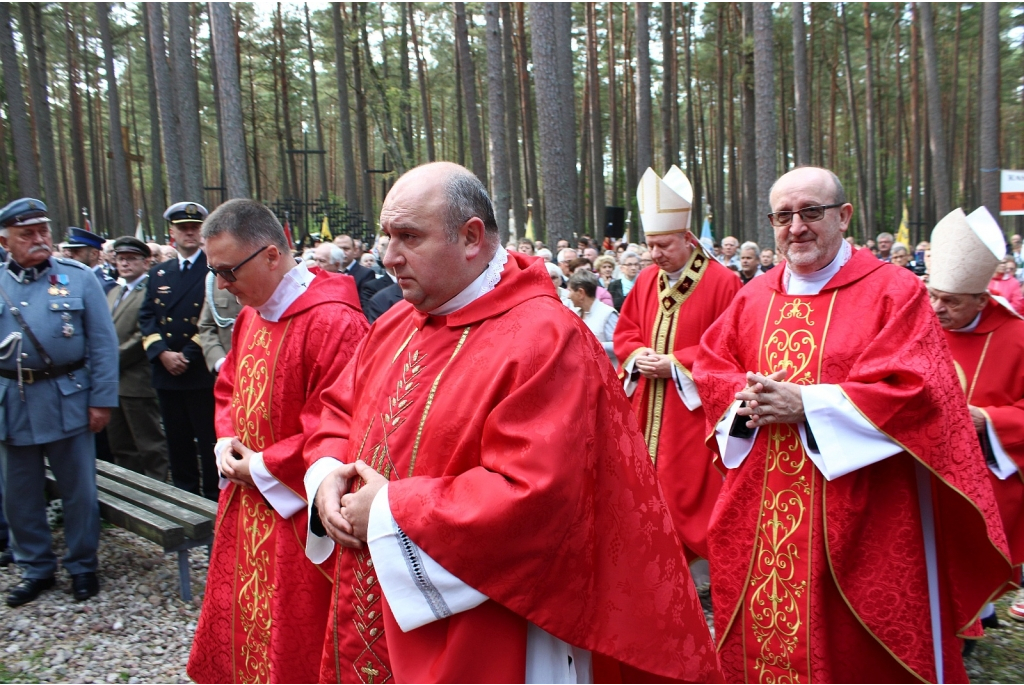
[[58, 285], [67, 329]]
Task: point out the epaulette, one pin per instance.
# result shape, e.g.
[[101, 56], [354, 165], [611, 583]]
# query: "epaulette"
[[63, 261]]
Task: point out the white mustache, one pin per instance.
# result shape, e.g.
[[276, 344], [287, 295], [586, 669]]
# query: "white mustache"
[[44, 248]]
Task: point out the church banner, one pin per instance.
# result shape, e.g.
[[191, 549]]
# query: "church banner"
[[1011, 192]]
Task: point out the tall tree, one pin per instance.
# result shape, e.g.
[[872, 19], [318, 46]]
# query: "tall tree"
[[764, 105], [526, 108], [21, 130], [644, 133], [551, 28], [321, 158], [348, 156], [421, 78], [801, 86], [157, 199], [468, 76], [691, 129], [362, 128], [405, 103], [751, 209], [669, 86], [123, 212], [163, 85], [596, 136], [511, 117], [185, 91], [222, 29], [500, 182], [77, 133], [866, 227], [870, 156], [989, 128], [35, 47], [937, 141]]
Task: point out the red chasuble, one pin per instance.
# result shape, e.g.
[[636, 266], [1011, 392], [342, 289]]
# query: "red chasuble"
[[825, 581], [523, 474], [266, 605], [671, 321], [990, 360]]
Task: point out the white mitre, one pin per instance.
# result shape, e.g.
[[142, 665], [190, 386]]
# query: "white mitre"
[[665, 203], [965, 252]]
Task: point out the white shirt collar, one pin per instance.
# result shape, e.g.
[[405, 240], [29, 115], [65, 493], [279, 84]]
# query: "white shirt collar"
[[131, 285], [288, 290], [483, 284], [969, 328], [191, 260], [795, 284]]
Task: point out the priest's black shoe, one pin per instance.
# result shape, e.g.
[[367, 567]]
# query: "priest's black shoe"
[[84, 585], [6, 557], [990, 622], [27, 590]]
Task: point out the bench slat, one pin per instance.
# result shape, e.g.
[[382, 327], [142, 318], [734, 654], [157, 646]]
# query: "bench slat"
[[163, 491], [139, 521], [196, 526]]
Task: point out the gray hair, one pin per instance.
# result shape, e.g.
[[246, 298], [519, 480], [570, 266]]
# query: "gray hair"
[[544, 253], [585, 281], [337, 255], [627, 254], [750, 245], [249, 222], [887, 236], [553, 270], [466, 198], [899, 248]]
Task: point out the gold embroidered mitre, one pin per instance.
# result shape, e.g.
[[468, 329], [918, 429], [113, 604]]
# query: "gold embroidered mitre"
[[665, 203], [965, 252]]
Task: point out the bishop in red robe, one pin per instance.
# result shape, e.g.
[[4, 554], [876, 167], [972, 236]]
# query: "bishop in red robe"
[[505, 524], [657, 338], [266, 605], [856, 536]]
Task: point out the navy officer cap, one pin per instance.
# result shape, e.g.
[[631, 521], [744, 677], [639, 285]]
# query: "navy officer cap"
[[79, 237], [183, 212], [23, 212]]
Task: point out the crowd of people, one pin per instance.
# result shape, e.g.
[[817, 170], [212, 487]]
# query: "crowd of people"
[[441, 459]]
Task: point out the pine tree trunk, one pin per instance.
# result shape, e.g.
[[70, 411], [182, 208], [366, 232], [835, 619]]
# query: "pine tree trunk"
[[124, 217], [526, 108], [937, 141], [901, 121], [158, 198], [751, 209], [166, 102], [362, 131], [24, 152], [764, 105], [692, 167], [405, 107], [184, 91], [614, 123], [596, 137], [286, 108], [801, 86], [77, 133], [718, 207], [421, 78], [871, 179], [989, 129], [866, 227], [644, 108], [669, 86], [551, 28], [222, 28], [468, 75], [35, 48], [512, 118], [500, 182], [915, 119], [321, 158], [345, 121]]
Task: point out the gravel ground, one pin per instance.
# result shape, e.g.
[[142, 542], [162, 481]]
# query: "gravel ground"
[[137, 630]]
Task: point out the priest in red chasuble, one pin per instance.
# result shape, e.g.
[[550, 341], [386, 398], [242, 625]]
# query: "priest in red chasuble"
[[987, 340], [657, 338], [856, 536], [266, 605], [499, 518]]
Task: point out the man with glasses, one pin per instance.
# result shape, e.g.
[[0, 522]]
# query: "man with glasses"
[[629, 269], [168, 319], [856, 535], [137, 439]]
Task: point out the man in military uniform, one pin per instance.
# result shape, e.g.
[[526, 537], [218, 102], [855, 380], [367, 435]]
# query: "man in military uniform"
[[58, 381], [216, 324], [168, 319], [87, 247], [137, 439]]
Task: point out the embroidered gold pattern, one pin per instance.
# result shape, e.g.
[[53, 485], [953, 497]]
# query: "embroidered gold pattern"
[[261, 339], [256, 592], [792, 351]]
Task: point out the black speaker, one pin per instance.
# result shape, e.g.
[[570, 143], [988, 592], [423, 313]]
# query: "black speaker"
[[614, 222]]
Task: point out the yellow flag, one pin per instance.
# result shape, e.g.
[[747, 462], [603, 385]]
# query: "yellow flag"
[[325, 232], [903, 234]]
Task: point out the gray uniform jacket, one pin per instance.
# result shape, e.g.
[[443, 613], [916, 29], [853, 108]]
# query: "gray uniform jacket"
[[136, 371], [57, 408]]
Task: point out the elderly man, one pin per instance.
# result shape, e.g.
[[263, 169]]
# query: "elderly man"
[[136, 436], [767, 259], [730, 255], [899, 254], [58, 381], [566, 256], [266, 605], [749, 267], [856, 529], [987, 342], [329, 257], [884, 245], [498, 562], [656, 338]]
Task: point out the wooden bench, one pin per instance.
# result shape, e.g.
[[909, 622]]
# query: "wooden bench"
[[170, 517]]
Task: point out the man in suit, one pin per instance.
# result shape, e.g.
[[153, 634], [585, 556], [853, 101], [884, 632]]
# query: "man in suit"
[[168, 319], [87, 247], [58, 381], [137, 439], [220, 309], [350, 265]]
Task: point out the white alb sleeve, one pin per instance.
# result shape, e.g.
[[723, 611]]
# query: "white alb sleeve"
[[418, 589], [686, 388], [285, 502], [1004, 466], [631, 381], [733, 450], [846, 440], [218, 453], [317, 548]]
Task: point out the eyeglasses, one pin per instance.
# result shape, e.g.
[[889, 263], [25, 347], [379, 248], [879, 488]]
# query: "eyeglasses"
[[808, 214], [229, 274]]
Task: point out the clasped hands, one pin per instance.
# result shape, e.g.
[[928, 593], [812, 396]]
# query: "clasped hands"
[[346, 514], [769, 400], [650, 364]]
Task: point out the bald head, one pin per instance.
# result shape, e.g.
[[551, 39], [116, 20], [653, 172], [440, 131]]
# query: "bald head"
[[810, 244], [819, 178]]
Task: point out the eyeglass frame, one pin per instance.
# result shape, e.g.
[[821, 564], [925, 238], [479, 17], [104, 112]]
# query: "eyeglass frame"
[[229, 274], [823, 208]]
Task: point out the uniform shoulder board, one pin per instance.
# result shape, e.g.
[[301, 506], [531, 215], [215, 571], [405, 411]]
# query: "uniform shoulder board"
[[63, 261]]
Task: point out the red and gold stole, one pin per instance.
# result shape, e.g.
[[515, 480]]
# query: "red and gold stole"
[[255, 558], [776, 604]]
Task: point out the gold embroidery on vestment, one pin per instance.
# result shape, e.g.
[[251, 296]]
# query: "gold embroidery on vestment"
[[255, 596]]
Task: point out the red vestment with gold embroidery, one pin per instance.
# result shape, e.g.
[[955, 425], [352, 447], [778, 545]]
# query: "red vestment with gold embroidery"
[[671, 321], [516, 463], [266, 604], [825, 581], [991, 362]]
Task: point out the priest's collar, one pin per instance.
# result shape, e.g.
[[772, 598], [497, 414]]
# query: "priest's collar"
[[288, 290], [969, 328], [811, 284], [26, 275], [483, 284]]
